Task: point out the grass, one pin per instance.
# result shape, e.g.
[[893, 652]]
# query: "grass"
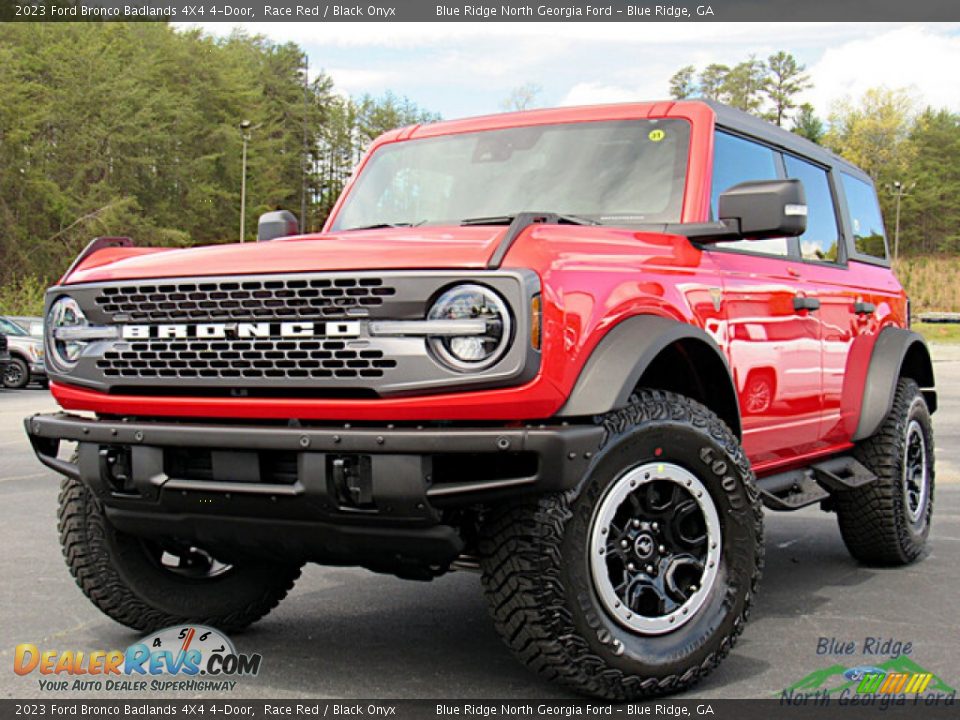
[[931, 282], [939, 332]]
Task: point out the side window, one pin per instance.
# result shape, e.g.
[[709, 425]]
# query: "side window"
[[865, 220], [821, 241], [737, 160]]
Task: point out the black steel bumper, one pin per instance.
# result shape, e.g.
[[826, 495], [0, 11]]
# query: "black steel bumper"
[[339, 495]]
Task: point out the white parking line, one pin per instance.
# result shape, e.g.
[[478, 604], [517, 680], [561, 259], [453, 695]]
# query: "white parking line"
[[23, 477]]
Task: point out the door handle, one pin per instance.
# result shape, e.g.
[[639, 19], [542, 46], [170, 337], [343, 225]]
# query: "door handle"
[[864, 308], [801, 302]]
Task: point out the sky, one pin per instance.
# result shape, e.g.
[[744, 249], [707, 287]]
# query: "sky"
[[464, 69]]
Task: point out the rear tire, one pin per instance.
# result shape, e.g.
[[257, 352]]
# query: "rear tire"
[[888, 521], [549, 585], [125, 578]]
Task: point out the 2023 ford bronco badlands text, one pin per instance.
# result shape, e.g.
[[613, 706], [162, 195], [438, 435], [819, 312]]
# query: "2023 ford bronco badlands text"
[[575, 349]]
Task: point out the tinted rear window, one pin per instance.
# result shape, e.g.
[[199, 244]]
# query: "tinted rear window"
[[865, 220], [821, 239]]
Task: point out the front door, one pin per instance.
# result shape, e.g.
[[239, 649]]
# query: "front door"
[[774, 348], [770, 307]]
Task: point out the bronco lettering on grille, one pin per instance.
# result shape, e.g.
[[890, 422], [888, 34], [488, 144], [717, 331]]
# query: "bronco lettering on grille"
[[209, 331]]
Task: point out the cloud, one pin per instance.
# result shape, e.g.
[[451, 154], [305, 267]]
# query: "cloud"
[[424, 34], [598, 94], [909, 57], [461, 69], [354, 81]]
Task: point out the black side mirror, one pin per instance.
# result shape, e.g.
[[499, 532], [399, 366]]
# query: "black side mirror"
[[765, 209], [277, 224]]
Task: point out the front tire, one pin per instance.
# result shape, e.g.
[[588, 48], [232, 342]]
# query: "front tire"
[[888, 521], [543, 572], [16, 375], [133, 582]]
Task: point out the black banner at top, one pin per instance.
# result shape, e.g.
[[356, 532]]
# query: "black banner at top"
[[479, 10]]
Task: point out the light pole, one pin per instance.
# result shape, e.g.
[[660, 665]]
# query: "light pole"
[[245, 132], [900, 191], [303, 159]]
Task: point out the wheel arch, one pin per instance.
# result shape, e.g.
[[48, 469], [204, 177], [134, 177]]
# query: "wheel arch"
[[656, 352], [896, 353]]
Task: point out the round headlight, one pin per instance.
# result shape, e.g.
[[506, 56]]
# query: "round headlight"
[[485, 345], [65, 313]]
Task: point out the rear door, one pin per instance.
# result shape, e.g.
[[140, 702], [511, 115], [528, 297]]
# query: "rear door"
[[773, 330], [864, 298]]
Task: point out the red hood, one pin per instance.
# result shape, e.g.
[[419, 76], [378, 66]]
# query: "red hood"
[[387, 249]]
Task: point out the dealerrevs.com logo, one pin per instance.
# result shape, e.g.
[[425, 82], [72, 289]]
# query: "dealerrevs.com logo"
[[180, 658]]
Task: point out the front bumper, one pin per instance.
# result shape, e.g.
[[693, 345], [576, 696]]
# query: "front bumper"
[[382, 497]]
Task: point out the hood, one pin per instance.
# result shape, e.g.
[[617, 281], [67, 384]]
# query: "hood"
[[23, 341], [383, 249]]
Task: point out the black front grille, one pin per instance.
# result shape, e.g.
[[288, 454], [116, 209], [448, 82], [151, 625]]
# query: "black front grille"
[[287, 298], [253, 359]]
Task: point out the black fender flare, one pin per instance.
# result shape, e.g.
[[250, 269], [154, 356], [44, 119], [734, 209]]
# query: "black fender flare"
[[619, 360], [896, 352]]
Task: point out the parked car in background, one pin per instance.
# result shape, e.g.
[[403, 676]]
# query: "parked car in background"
[[33, 325], [4, 355], [26, 356]]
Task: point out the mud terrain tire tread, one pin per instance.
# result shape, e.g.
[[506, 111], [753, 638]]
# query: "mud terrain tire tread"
[[521, 556], [871, 518], [83, 536]]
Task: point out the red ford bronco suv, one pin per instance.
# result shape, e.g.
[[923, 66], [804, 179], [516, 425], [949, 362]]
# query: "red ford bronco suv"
[[576, 350]]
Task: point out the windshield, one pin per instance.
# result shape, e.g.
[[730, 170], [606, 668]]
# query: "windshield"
[[9, 328], [624, 172]]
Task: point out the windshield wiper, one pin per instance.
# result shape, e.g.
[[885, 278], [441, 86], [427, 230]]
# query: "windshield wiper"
[[380, 226], [517, 224], [546, 217]]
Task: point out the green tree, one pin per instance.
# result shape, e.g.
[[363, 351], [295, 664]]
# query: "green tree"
[[683, 83], [874, 132], [930, 212], [713, 81], [133, 129], [744, 85], [807, 124], [785, 80]]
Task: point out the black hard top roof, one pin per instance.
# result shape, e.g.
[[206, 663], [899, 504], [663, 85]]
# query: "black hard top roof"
[[731, 118]]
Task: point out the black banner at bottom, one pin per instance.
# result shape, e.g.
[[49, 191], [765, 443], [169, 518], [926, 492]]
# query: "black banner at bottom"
[[853, 707]]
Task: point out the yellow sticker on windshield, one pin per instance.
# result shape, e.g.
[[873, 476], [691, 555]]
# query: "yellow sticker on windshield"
[[656, 135]]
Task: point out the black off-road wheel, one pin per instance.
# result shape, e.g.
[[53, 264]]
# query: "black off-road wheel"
[[148, 585], [638, 582], [888, 521]]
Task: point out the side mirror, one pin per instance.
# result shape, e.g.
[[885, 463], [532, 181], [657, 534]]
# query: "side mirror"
[[765, 209], [276, 224]]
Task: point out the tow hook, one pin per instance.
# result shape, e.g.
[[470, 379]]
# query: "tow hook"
[[352, 481]]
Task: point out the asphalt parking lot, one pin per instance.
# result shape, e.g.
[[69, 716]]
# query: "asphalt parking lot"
[[346, 633]]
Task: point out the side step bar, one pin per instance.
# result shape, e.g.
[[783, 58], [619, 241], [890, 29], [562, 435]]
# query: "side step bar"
[[797, 489]]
